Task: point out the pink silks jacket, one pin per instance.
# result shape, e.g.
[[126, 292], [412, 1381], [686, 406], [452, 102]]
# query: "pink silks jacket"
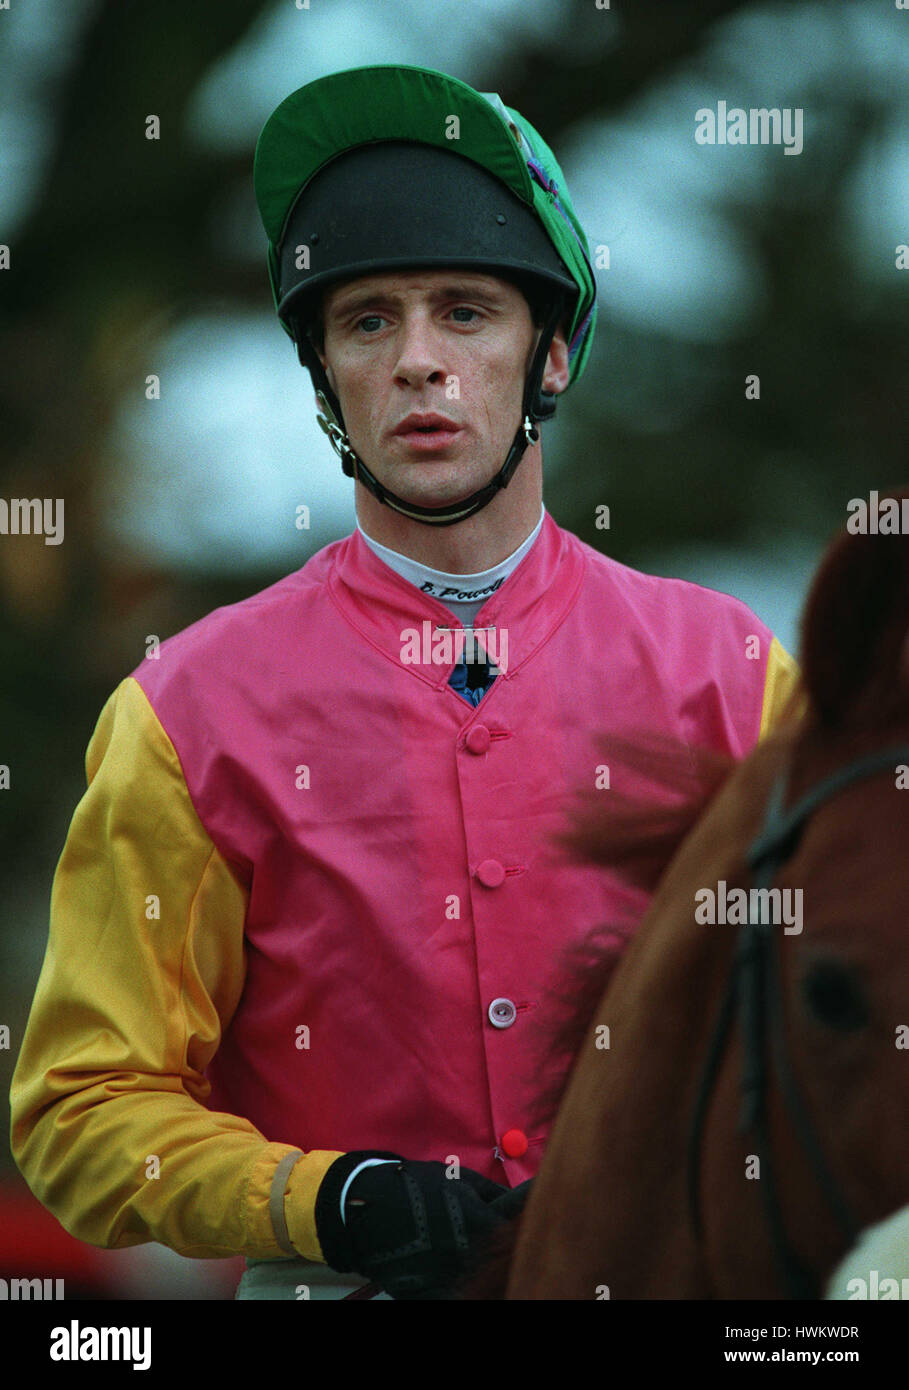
[[312, 899]]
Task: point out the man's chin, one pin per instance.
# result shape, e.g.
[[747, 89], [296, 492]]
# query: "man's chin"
[[417, 485]]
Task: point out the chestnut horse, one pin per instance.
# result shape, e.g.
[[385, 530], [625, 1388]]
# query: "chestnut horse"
[[746, 1115]]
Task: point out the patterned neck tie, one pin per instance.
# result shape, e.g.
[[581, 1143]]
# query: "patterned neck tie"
[[471, 679]]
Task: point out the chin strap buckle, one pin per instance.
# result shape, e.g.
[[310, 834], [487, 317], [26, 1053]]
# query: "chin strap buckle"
[[531, 433], [328, 423]]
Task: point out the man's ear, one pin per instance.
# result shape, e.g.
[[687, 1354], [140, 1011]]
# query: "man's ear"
[[556, 374]]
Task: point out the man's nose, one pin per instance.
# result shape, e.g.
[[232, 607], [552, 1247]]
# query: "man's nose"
[[419, 352]]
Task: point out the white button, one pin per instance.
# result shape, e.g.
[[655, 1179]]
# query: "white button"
[[502, 1013]]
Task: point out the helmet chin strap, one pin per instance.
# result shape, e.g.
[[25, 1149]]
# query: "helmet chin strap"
[[537, 405]]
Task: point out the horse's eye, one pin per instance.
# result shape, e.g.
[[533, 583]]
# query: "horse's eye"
[[834, 996]]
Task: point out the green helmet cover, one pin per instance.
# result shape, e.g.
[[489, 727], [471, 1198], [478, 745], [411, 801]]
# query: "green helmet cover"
[[365, 105]]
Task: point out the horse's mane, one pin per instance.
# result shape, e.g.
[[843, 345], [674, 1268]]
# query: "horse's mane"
[[636, 835], [854, 659]]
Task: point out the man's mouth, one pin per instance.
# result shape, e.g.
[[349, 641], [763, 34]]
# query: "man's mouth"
[[426, 432]]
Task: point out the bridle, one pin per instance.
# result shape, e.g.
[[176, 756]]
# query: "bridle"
[[754, 984]]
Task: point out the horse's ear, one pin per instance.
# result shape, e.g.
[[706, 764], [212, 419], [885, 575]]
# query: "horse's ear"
[[854, 654]]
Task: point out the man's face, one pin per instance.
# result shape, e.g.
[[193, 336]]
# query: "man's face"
[[452, 343]]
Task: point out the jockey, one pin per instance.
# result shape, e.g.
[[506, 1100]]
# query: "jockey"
[[314, 894]]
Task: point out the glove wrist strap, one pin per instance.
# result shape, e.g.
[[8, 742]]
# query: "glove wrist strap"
[[331, 1232]]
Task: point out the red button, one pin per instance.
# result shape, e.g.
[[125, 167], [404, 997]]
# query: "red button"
[[491, 873], [514, 1142], [478, 739]]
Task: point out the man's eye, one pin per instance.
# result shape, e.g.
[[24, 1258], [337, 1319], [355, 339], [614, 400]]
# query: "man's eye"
[[369, 322]]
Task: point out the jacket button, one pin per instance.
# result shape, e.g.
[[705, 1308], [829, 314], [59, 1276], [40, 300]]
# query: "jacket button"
[[478, 739], [514, 1143], [502, 1013], [491, 873]]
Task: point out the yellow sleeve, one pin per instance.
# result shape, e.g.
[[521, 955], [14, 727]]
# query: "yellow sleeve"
[[784, 695], [143, 971]]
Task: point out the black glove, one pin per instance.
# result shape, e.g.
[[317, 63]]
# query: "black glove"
[[409, 1228]]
